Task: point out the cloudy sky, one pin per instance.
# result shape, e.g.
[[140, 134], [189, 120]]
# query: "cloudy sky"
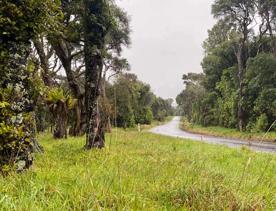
[[166, 40]]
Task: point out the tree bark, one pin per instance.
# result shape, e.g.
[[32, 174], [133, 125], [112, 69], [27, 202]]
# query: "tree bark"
[[78, 128], [60, 130], [65, 55], [44, 63], [94, 128], [15, 75], [241, 69], [94, 36], [271, 34]]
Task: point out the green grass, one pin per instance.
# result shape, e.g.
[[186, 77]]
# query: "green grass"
[[228, 132], [142, 171]]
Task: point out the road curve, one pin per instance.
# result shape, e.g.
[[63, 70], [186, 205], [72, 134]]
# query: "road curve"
[[172, 129]]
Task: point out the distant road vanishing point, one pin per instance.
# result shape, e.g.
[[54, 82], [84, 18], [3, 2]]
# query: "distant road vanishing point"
[[172, 129]]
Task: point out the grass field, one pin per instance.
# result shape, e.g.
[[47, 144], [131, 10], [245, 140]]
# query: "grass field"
[[228, 132], [142, 171]]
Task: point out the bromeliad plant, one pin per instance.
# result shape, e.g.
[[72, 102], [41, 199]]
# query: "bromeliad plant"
[[60, 103]]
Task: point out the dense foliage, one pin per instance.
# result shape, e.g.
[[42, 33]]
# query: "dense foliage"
[[238, 87], [57, 57], [20, 21], [133, 102]]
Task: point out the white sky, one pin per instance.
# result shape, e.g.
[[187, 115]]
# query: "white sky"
[[166, 40]]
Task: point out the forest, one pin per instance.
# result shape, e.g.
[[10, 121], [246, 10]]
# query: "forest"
[[238, 86], [62, 70]]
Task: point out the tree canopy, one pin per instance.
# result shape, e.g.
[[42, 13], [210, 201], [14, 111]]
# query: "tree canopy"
[[237, 89]]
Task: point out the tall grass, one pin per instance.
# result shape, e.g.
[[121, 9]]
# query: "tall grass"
[[142, 171]]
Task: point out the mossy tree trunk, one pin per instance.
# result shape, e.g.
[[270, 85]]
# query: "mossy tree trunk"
[[96, 20], [20, 142]]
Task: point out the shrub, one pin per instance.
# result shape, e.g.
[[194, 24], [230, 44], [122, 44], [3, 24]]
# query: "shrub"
[[185, 123], [144, 116], [261, 123]]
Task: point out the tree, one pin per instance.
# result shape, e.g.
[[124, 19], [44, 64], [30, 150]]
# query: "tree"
[[267, 12], [261, 89], [68, 44], [20, 22], [226, 102], [190, 97], [237, 86], [97, 21], [124, 96], [45, 53], [114, 64], [240, 14], [59, 103], [132, 102], [162, 108]]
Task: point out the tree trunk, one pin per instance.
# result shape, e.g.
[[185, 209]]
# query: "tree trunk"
[[271, 34], [241, 69], [44, 63], [78, 128], [77, 121], [108, 126], [60, 130], [94, 36], [106, 112], [94, 128], [64, 53], [37, 148], [61, 116], [14, 75]]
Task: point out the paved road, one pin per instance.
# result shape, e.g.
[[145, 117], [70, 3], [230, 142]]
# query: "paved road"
[[172, 129]]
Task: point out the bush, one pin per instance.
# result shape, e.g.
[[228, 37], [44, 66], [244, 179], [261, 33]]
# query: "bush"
[[144, 116], [261, 123], [250, 127], [185, 123], [149, 116], [161, 115]]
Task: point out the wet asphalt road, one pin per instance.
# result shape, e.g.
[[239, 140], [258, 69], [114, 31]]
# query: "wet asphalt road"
[[172, 129]]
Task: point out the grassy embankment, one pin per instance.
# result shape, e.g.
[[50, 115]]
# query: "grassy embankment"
[[142, 171], [227, 132]]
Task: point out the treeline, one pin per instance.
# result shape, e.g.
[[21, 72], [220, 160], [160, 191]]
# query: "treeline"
[[124, 102], [55, 63], [132, 102], [238, 87]]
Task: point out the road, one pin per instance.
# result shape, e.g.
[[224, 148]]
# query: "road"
[[172, 129]]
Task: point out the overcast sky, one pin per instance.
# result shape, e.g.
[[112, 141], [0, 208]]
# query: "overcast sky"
[[167, 39]]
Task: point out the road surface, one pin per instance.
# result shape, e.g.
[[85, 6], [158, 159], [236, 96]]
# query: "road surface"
[[172, 129]]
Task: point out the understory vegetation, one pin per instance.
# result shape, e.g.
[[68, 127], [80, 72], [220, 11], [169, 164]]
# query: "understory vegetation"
[[142, 171]]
